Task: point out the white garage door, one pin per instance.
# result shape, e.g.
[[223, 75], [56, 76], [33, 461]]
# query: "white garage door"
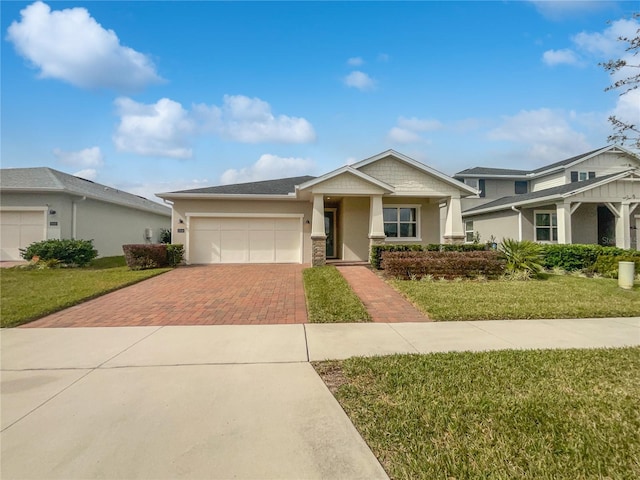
[[19, 229], [245, 240]]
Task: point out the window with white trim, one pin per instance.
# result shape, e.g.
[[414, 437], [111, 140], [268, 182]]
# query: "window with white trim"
[[401, 222], [469, 236], [546, 226]]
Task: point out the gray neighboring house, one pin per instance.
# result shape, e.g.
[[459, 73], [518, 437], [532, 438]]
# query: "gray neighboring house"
[[591, 198], [42, 203]]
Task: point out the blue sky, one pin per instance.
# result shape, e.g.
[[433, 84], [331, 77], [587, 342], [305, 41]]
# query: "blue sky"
[[161, 96]]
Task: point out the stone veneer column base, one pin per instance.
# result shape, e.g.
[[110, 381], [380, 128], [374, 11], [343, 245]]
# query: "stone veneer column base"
[[454, 239], [318, 251]]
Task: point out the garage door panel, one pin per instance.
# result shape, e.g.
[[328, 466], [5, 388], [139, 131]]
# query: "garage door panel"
[[205, 247], [262, 246], [245, 240], [19, 229], [234, 246], [288, 247]]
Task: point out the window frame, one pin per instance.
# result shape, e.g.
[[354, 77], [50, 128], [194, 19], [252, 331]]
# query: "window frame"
[[397, 207], [521, 183], [552, 227], [467, 231]]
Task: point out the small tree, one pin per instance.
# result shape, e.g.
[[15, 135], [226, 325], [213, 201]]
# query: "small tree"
[[624, 131]]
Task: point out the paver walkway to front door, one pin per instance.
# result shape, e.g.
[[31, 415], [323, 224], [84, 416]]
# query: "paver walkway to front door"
[[382, 302], [196, 295]]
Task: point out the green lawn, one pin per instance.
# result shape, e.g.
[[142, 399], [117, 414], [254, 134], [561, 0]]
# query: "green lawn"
[[29, 294], [330, 298], [564, 414], [557, 296]]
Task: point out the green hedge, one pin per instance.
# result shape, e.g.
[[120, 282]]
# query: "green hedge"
[[378, 250], [67, 252], [579, 257]]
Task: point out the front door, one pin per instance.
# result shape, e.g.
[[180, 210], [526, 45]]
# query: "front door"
[[330, 232]]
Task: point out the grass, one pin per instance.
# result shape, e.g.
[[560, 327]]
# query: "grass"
[[330, 298], [29, 294], [563, 414], [108, 262], [554, 297]]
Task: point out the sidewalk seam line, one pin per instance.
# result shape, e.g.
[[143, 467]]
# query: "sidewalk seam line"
[[130, 346], [404, 338], [306, 340]]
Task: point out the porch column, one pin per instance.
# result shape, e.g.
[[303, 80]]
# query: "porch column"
[[376, 222], [623, 227], [563, 211], [453, 230], [318, 234]]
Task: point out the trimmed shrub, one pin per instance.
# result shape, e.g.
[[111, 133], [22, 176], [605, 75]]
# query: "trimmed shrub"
[[175, 254], [165, 235], [607, 265], [144, 256], [411, 265], [580, 257], [377, 251], [67, 252]]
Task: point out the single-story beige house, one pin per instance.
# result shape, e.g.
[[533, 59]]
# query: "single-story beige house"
[[590, 198], [43, 204], [386, 198]]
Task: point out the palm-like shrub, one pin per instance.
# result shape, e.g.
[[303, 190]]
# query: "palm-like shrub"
[[524, 256]]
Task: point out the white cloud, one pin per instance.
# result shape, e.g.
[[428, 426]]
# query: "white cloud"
[[161, 129], [70, 45], [355, 61], [545, 134], [359, 80], [627, 108], [87, 173], [269, 167], [565, 56], [89, 157], [606, 44], [409, 130], [250, 120]]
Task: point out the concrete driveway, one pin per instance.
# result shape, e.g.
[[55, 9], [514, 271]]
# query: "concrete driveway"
[[196, 295]]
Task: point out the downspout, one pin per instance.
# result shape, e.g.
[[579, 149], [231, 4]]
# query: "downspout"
[[519, 222], [74, 217]]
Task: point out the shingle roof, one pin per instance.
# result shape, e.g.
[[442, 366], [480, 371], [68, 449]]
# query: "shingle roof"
[[46, 179], [532, 196], [281, 186], [566, 161]]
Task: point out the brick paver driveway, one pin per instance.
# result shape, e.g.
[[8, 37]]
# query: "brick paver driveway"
[[196, 295]]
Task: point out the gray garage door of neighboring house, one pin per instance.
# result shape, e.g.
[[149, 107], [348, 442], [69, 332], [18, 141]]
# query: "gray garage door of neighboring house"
[[245, 239], [19, 229]]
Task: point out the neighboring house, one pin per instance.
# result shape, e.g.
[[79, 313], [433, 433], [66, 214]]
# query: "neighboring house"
[[383, 199], [41, 203], [590, 198]]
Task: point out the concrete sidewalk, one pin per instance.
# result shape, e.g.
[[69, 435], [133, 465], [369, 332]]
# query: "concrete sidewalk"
[[219, 401]]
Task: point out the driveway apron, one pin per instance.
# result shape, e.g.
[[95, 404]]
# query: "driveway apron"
[[196, 295]]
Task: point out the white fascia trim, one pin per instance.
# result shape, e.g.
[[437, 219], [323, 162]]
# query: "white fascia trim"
[[492, 175], [242, 215], [577, 162], [351, 170], [420, 166], [507, 206], [223, 196]]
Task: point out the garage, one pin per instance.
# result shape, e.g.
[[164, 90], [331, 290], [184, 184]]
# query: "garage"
[[245, 239], [19, 229]]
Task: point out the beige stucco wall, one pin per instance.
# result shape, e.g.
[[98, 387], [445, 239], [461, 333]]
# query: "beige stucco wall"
[[429, 217], [353, 219], [213, 206], [501, 225], [108, 225], [111, 226]]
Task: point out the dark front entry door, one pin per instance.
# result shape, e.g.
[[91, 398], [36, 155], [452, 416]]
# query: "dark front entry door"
[[330, 232], [606, 226]]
